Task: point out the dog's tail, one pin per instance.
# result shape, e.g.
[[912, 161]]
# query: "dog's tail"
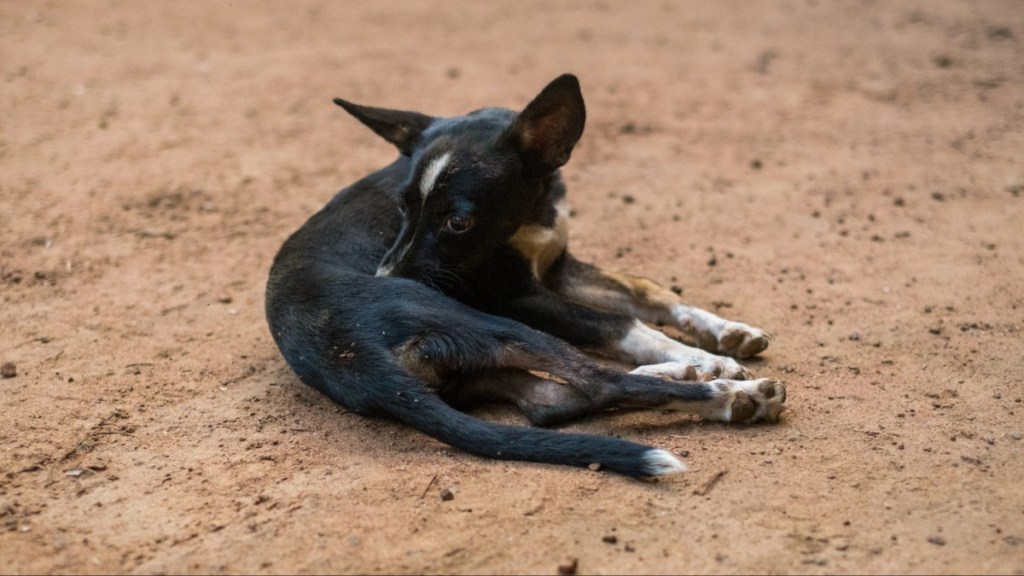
[[426, 412]]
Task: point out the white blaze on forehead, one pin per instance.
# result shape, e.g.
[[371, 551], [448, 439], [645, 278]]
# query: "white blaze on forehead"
[[432, 172]]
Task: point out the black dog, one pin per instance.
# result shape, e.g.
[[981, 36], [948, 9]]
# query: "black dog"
[[444, 279]]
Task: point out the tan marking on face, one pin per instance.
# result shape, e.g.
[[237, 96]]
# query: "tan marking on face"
[[541, 245]]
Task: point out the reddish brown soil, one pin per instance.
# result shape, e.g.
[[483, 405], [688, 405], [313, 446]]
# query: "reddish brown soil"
[[846, 175]]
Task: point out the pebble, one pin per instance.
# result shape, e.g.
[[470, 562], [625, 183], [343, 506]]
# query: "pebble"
[[568, 566], [8, 370], [447, 494]]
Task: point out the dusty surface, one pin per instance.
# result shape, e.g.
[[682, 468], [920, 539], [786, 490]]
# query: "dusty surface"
[[848, 176]]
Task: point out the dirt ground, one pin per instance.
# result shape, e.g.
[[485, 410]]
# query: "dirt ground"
[[846, 175]]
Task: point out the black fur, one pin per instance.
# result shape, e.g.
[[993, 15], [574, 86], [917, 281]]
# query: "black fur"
[[446, 321]]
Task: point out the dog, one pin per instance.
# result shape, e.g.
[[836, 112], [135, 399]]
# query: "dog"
[[444, 280]]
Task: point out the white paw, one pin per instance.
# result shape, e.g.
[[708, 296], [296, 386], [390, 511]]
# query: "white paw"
[[739, 340], [710, 366], [695, 367], [746, 402], [656, 352]]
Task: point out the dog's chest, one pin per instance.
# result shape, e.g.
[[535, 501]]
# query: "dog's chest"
[[542, 245]]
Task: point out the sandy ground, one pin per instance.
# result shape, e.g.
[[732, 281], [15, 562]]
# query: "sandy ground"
[[846, 175]]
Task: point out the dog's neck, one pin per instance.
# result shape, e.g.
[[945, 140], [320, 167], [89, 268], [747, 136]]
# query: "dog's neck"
[[544, 236]]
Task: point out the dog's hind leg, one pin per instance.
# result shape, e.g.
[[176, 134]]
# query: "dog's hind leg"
[[411, 402], [546, 399], [646, 300], [563, 384]]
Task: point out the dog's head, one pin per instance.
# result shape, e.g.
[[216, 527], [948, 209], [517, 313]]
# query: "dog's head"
[[474, 179]]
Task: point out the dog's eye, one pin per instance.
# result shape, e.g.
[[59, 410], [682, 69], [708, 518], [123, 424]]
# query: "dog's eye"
[[458, 223]]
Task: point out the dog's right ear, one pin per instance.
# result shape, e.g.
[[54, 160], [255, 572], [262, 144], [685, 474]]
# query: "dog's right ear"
[[546, 131], [403, 129]]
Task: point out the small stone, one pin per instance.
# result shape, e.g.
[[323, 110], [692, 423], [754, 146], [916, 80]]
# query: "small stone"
[[447, 494], [937, 540], [609, 539], [595, 466], [8, 370], [568, 566]]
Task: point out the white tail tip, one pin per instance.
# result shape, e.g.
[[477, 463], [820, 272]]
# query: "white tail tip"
[[661, 462]]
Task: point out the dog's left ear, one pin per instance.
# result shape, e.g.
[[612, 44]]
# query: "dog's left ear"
[[403, 129], [546, 131]]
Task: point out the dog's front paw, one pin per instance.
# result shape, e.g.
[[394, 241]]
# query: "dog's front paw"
[[698, 367], [710, 366], [747, 401], [739, 340]]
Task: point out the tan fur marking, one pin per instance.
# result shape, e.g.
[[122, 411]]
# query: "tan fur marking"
[[648, 292], [625, 293], [548, 376], [541, 245]]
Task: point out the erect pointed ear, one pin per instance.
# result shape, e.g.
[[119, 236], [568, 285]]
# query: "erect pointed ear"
[[546, 131], [403, 129]]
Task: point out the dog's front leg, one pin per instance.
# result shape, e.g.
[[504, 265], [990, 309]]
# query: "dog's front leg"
[[646, 300], [619, 336]]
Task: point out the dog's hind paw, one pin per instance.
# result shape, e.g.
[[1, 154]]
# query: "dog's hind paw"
[[746, 402]]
